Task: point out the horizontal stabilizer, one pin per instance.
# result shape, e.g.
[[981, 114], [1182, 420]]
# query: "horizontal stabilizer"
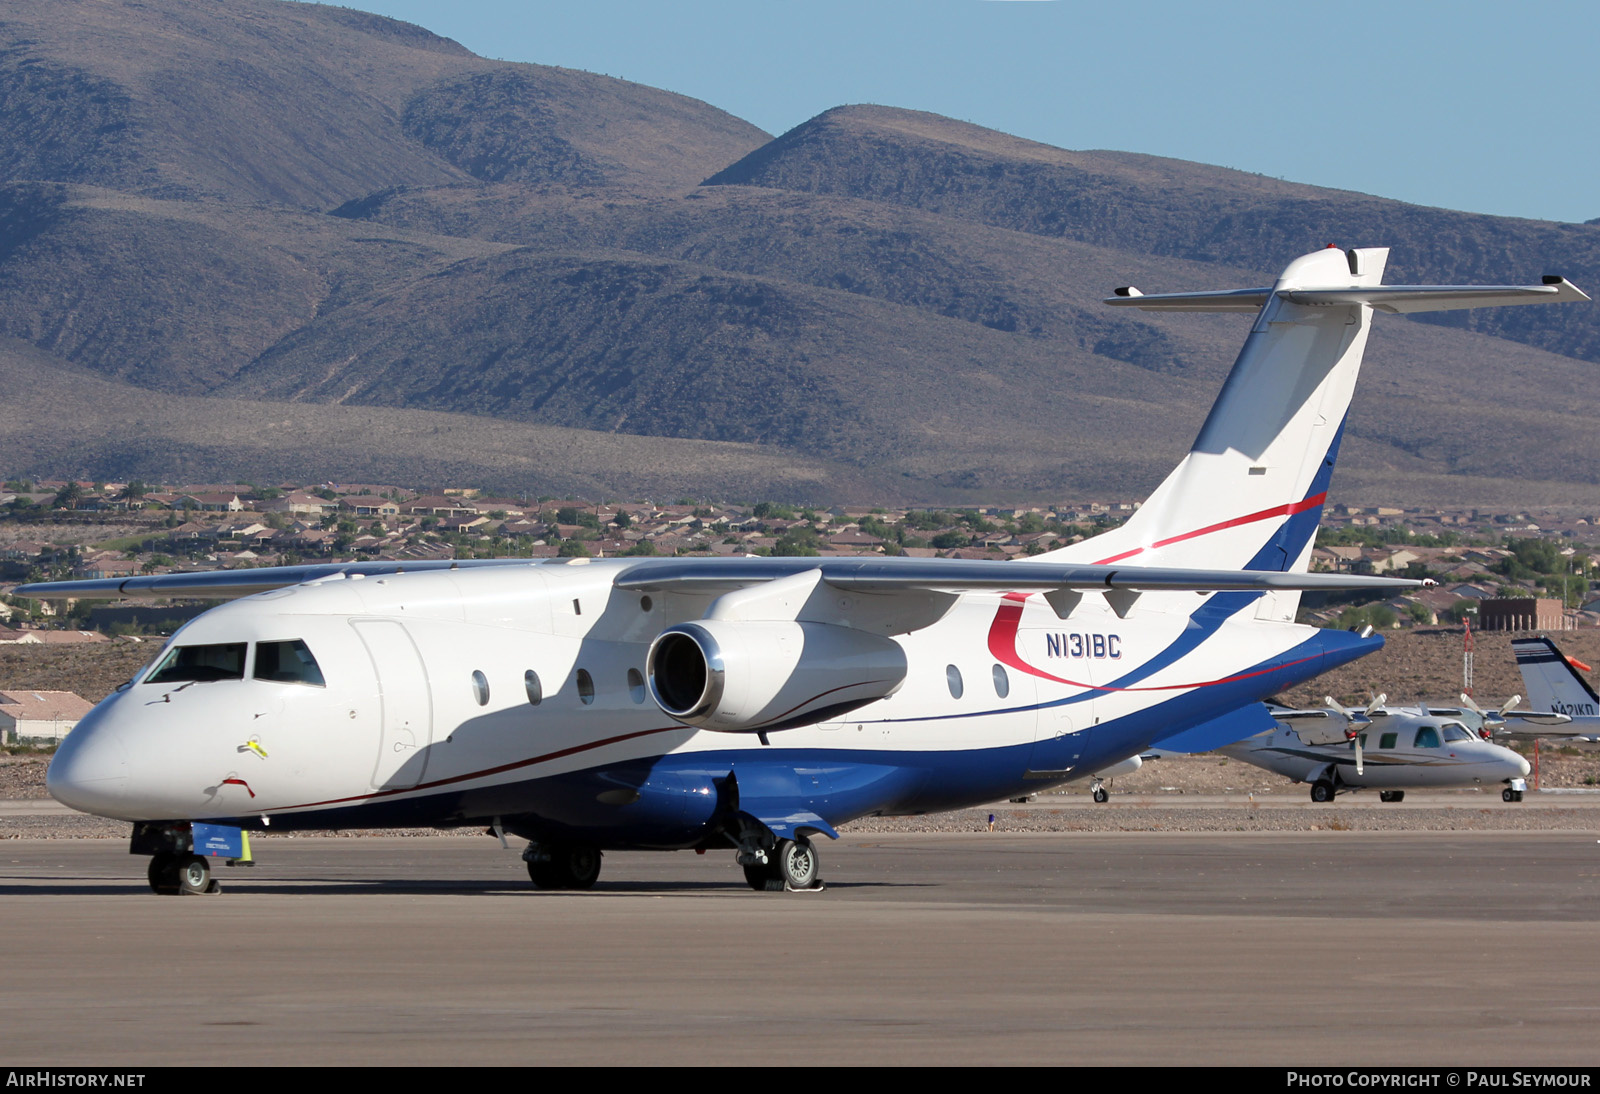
[[1396, 299]]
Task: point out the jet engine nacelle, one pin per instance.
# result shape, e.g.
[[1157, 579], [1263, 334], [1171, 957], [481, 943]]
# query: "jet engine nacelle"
[[749, 676]]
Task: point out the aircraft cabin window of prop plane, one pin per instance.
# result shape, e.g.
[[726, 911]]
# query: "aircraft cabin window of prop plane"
[[480, 687], [200, 664], [1002, 682], [636, 685], [585, 687], [530, 681], [288, 663], [952, 676], [1427, 737], [1388, 740]]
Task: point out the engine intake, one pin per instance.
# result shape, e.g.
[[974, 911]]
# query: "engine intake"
[[742, 676]]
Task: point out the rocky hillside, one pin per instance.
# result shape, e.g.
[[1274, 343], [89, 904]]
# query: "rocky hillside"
[[260, 205]]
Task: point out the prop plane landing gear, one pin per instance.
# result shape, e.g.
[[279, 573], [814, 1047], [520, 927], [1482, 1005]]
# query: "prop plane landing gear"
[[1391, 795], [1322, 791], [1099, 792], [563, 865]]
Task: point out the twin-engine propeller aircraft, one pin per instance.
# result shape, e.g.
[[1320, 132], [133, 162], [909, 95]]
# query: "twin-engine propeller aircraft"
[[1385, 749], [755, 703]]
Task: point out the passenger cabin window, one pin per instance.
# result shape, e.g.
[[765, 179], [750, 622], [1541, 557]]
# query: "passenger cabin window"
[[1427, 737], [535, 689], [636, 685], [1002, 682], [288, 663], [585, 687], [952, 677], [1388, 740], [480, 687], [194, 664]]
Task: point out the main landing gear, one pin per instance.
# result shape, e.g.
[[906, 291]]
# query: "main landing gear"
[[1391, 795], [1099, 792], [173, 874], [563, 865], [794, 864], [1322, 791]]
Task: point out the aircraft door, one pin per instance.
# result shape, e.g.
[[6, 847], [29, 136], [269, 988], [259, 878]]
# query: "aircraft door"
[[1060, 741], [406, 702]]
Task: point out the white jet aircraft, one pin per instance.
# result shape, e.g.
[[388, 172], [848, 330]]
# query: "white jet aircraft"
[[1388, 750], [755, 703]]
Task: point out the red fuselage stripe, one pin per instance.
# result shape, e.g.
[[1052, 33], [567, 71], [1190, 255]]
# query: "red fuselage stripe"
[[1265, 514], [1008, 620]]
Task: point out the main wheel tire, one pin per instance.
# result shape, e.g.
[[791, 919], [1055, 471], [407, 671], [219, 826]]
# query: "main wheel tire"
[[163, 873], [798, 863], [1391, 795], [1322, 792], [581, 864], [193, 874], [570, 866], [1100, 795], [762, 876]]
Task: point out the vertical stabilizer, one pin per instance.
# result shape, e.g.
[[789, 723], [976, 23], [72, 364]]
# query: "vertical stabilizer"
[[1249, 493], [1551, 681]]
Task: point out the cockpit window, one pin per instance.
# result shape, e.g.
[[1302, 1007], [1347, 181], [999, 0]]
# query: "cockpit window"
[[288, 663], [188, 664], [1454, 731]]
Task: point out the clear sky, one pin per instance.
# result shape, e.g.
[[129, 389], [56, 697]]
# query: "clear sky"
[[1482, 106]]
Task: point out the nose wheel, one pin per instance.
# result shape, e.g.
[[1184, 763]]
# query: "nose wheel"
[[174, 874], [1099, 792]]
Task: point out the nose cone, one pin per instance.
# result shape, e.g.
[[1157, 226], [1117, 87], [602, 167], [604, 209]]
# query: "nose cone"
[[89, 772], [1523, 763]]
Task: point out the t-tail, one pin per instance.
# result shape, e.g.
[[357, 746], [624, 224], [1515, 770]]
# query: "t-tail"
[[1552, 680], [1249, 494]]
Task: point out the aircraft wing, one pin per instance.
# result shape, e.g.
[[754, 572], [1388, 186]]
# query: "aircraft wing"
[[229, 584], [1527, 725], [712, 575], [894, 574]]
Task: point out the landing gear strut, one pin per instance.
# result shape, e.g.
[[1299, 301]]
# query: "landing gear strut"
[[563, 865]]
